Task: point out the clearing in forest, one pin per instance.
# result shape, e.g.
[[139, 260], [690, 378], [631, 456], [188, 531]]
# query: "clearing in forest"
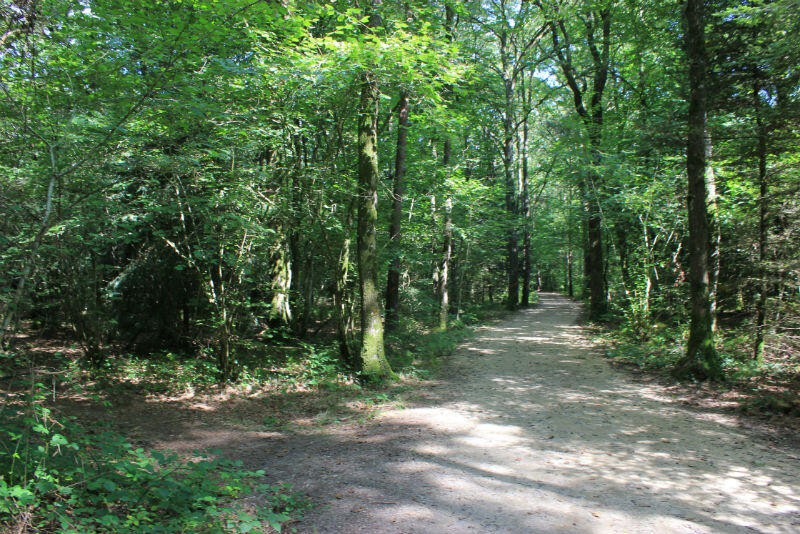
[[531, 431]]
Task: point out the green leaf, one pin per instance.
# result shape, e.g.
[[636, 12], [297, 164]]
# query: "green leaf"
[[58, 439]]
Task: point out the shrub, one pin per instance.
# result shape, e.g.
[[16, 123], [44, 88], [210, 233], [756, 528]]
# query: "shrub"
[[59, 476]]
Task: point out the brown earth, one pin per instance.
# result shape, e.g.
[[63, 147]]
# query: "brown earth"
[[529, 430]]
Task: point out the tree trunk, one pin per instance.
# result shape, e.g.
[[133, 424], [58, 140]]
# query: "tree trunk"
[[512, 245], [297, 277], [570, 283], [447, 248], [714, 232], [525, 208], [281, 280], [591, 188], [761, 303], [374, 365], [624, 264], [19, 292], [340, 304], [435, 266], [393, 276], [444, 302], [598, 305], [587, 258], [300, 276], [701, 360], [648, 263], [462, 279], [309, 283], [570, 289]]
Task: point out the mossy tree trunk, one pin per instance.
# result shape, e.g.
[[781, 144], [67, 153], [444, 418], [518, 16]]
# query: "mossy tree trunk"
[[714, 232], [374, 366], [281, 280], [340, 297]]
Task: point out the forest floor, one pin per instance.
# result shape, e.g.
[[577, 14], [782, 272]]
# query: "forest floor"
[[528, 429]]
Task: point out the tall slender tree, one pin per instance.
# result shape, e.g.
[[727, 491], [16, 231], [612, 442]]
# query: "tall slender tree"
[[374, 365], [393, 276], [701, 360], [596, 23], [447, 247]]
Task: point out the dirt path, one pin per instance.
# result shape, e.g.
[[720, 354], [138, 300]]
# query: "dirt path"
[[532, 432]]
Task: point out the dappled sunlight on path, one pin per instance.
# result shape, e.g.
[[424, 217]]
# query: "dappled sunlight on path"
[[532, 432]]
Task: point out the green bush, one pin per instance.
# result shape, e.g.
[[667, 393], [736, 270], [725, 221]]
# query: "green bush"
[[58, 476]]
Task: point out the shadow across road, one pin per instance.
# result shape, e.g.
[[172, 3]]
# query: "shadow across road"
[[531, 431]]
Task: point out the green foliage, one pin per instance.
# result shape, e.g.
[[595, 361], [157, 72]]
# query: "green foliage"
[[416, 349], [61, 476], [167, 194], [316, 366], [659, 352], [165, 372], [770, 402]]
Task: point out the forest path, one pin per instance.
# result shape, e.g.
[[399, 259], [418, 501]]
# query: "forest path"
[[530, 431]]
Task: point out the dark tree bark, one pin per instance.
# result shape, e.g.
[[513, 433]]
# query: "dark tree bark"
[[525, 208], [593, 121], [761, 303], [299, 274], [441, 264], [464, 264], [447, 247], [393, 276], [512, 208], [624, 264], [570, 260], [701, 360], [340, 300]]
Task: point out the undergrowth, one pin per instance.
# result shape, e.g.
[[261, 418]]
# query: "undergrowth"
[[61, 476], [767, 386], [659, 351], [415, 349]]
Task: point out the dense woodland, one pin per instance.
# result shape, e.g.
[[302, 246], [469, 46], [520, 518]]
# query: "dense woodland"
[[211, 180]]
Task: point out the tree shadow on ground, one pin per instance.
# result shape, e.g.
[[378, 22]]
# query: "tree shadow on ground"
[[535, 434], [528, 432]]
